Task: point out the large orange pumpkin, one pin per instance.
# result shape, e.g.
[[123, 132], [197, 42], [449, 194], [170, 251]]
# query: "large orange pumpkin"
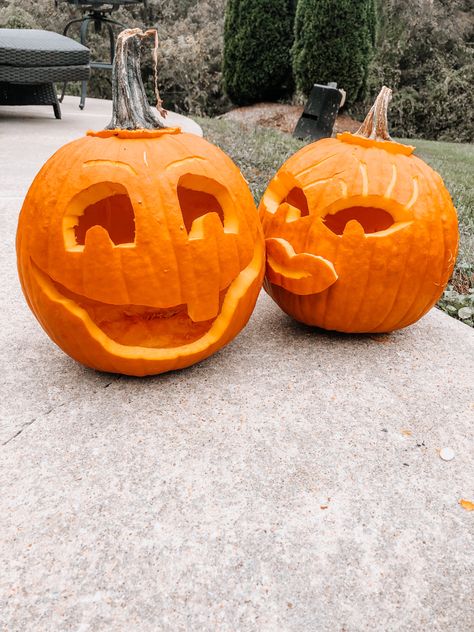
[[361, 235], [139, 247]]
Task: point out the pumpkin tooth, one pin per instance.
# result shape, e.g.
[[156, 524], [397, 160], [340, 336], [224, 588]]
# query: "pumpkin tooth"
[[203, 298], [200, 309], [205, 225], [292, 213], [353, 227], [97, 239]]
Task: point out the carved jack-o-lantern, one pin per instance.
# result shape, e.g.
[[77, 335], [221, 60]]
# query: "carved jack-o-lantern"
[[361, 235], [139, 250]]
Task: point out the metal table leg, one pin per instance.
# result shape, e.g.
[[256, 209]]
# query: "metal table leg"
[[83, 39], [98, 20], [65, 32]]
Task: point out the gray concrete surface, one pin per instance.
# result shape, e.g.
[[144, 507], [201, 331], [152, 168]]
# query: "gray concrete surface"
[[291, 482]]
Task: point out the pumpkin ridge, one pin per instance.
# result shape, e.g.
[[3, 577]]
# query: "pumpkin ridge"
[[387, 314], [363, 290], [420, 281], [430, 175], [389, 309], [334, 289], [75, 159], [365, 178], [444, 273], [124, 277]]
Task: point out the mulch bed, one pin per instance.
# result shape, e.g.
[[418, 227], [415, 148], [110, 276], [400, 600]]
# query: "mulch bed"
[[282, 117]]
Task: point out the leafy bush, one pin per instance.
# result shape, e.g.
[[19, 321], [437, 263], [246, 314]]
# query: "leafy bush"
[[11, 18], [258, 35], [30, 14], [333, 42], [190, 53], [424, 53], [190, 58]]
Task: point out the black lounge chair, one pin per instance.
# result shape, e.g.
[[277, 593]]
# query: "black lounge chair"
[[32, 60]]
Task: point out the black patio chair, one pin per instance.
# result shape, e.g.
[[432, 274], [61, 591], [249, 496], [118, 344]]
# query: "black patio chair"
[[31, 61], [97, 13]]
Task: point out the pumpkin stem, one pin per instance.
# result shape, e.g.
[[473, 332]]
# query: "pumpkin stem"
[[375, 125], [130, 107]]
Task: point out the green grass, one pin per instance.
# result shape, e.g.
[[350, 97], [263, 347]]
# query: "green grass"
[[259, 153]]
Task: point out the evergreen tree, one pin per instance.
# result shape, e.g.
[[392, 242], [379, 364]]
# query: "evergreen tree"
[[258, 36], [334, 41]]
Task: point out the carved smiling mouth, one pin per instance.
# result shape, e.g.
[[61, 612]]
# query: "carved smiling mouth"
[[135, 325]]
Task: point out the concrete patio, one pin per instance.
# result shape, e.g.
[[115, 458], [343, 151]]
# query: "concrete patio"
[[292, 482]]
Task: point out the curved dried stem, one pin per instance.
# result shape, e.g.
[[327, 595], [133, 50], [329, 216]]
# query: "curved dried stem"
[[375, 125], [130, 107]]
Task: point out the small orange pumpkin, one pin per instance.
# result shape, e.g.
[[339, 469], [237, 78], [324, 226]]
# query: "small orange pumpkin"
[[139, 247], [361, 235]]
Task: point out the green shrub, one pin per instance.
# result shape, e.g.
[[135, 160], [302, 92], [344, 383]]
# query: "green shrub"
[[258, 35], [15, 18], [424, 53], [30, 14], [333, 42], [190, 34], [190, 59], [190, 50]]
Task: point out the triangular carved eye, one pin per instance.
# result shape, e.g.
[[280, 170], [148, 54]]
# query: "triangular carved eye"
[[114, 213], [197, 200]]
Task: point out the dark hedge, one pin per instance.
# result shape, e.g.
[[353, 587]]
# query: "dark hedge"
[[334, 41], [258, 35]]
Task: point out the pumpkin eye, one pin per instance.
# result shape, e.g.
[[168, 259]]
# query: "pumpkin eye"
[[105, 204], [297, 198], [114, 213], [372, 220], [196, 199]]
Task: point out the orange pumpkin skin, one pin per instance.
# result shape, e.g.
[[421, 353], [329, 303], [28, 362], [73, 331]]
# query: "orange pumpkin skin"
[[140, 251], [361, 235]]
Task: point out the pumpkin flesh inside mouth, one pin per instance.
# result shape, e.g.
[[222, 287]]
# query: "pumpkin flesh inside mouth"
[[141, 325]]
